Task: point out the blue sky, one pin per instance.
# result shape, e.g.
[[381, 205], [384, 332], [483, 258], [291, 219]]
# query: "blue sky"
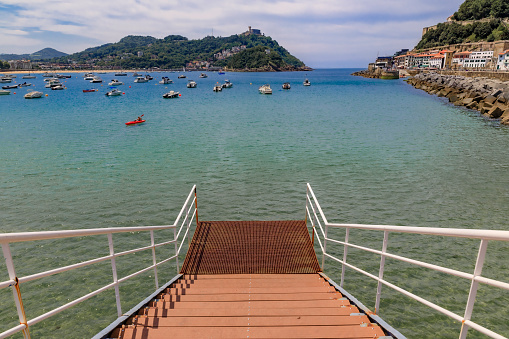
[[322, 33]]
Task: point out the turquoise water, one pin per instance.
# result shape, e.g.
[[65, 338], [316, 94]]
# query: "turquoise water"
[[374, 151]]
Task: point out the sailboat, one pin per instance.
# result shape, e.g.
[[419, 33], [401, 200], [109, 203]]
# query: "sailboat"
[[28, 76]]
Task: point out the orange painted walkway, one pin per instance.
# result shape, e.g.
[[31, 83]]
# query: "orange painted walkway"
[[206, 302]]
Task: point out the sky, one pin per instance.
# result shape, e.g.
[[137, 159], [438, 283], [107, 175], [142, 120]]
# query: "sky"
[[321, 33]]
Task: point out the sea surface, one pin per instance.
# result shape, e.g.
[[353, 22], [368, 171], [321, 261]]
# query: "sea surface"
[[374, 151]]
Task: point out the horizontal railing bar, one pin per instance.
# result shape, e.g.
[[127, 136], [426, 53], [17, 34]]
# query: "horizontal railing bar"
[[187, 215], [165, 260], [46, 235], [7, 283], [70, 304], [185, 234], [316, 203], [185, 204], [483, 330], [402, 291], [316, 219], [135, 274], [164, 243], [492, 282], [12, 331], [446, 232], [408, 260]]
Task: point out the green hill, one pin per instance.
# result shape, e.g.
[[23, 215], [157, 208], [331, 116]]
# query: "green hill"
[[43, 54], [174, 51], [485, 21]]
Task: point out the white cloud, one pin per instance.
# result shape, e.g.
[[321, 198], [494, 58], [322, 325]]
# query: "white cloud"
[[323, 32]]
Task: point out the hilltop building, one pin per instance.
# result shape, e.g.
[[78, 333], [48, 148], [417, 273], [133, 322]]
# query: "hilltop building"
[[251, 31]]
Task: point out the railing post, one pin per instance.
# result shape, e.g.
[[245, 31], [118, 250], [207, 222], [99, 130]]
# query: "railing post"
[[324, 244], [176, 248], [15, 289], [473, 287], [154, 261], [115, 278], [381, 272], [345, 252], [196, 204]]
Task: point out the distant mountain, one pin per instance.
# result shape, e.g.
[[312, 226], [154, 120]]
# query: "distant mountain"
[[43, 54], [175, 51]]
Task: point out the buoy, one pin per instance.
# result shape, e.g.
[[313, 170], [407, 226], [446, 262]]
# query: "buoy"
[[14, 92], [180, 95], [46, 95], [129, 86], [123, 92]]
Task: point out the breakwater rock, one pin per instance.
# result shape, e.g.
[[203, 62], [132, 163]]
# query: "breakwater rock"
[[488, 96]]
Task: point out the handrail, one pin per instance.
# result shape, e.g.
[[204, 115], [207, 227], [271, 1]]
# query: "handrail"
[[7, 238], [483, 235]]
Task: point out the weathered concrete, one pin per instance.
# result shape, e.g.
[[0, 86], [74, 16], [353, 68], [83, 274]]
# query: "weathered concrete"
[[488, 96]]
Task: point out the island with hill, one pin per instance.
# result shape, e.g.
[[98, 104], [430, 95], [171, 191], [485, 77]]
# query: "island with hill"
[[247, 51]]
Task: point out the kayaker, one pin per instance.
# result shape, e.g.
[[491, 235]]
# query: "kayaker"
[[139, 119]]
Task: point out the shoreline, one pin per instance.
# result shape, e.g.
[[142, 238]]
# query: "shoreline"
[[488, 96]]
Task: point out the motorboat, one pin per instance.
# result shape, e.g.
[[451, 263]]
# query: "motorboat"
[[10, 87], [89, 76], [53, 83], [165, 81], [62, 76], [181, 76], [115, 82], [25, 84], [148, 77], [140, 79], [217, 88], [113, 93], [121, 74], [306, 83], [265, 89], [5, 80], [28, 76], [227, 84], [203, 75], [96, 80], [47, 75], [88, 90], [33, 95], [286, 85], [135, 74], [220, 73], [171, 95], [57, 87], [4, 92], [191, 84]]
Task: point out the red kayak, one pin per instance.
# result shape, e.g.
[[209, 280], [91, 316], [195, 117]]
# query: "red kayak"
[[135, 122]]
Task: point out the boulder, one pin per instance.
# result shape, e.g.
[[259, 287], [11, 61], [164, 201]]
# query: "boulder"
[[490, 99], [495, 112], [496, 92]]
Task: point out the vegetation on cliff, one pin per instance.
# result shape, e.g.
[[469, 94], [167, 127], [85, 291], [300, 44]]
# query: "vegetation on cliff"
[[481, 9], [174, 51], [256, 57], [454, 33]]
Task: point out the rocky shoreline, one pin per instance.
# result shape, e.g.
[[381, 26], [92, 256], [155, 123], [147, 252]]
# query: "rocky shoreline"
[[488, 96], [271, 68]]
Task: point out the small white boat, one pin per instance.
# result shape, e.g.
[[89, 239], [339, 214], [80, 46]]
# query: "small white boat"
[[286, 85], [28, 76], [265, 89], [33, 95], [148, 77], [135, 74], [171, 94], [57, 87], [191, 84], [217, 88], [306, 83], [203, 75], [96, 80], [53, 83], [113, 93], [4, 92], [140, 79], [47, 75], [121, 74], [182, 76], [115, 82], [227, 84], [165, 81], [5, 80], [25, 84]]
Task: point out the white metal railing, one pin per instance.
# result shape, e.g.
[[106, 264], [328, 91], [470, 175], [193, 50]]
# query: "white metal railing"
[[320, 227], [190, 209]]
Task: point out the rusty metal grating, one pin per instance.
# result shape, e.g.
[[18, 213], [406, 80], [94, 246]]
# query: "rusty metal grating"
[[251, 247]]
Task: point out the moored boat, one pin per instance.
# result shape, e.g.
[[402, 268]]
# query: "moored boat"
[[113, 93], [227, 84], [57, 87], [203, 75], [191, 84], [306, 83], [120, 74], [28, 76], [96, 80], [286, 85], [10, 87], [115, 82], [171, 95], [33, 95], [217, 88], [4, 92], [88, 90], [140, 80], [181, 76], [165, 81], [25, 84], [265, 89]]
